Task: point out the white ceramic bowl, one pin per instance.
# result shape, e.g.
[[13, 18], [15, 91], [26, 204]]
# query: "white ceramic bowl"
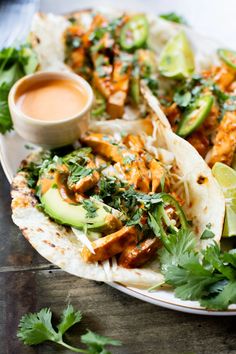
[[50, 134]]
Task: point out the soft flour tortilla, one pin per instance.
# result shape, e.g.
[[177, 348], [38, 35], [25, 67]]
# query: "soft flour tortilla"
[[206, 201], [58, 243]]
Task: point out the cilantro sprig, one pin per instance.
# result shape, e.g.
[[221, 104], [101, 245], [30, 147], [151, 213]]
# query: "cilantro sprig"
[[14, 63], [208, 276], [36, 328]]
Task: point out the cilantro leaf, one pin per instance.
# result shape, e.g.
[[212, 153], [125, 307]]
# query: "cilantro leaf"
[[90, 207], [96, 343], [5, 117], [136, 218], [230, 258], [173, 17], [14, 63], [68, 319], [213, 256], [221, 301], [179, 244], [35, 328], [208, 276]]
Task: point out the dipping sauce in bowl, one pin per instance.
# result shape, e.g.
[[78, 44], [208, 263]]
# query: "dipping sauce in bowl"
[[51, 109], [52, 99]]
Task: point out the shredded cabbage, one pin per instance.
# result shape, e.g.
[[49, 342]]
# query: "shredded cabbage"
[[83, 238]]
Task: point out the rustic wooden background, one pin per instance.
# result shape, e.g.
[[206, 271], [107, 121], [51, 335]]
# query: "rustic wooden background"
[[28, 283]]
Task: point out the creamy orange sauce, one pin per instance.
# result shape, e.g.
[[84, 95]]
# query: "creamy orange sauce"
[[52, 100]]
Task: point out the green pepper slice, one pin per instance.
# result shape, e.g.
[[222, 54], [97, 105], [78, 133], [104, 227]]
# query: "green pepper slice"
[[228, 56], [163, 221], [195, 115], [134, 34]]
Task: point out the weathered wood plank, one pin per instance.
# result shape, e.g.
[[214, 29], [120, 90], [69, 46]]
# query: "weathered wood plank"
[[143, 328]]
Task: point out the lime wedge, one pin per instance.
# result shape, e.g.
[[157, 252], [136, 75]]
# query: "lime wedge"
[[176, 59], [226, 177]]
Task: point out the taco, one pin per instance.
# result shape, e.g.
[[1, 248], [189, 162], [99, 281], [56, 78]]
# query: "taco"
[[193, 79], [103, 210]]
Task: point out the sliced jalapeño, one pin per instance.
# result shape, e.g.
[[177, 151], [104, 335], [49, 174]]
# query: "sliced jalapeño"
[[134, 33], [228, 56], [195, 115]]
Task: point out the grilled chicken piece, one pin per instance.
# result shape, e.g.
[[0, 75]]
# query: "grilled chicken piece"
[[136, 255], [86, 183], [200, 141], [77, 58], [134, 142], [116, 103], [102, 75], [105, 146], [132, 165], [138, 175], [103, 82], [121, 75], [120, 85], [157, 173], [225, 141], [110, 245], [224, 76]]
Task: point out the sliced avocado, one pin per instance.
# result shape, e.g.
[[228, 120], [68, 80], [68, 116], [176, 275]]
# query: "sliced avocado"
[[75, 214]]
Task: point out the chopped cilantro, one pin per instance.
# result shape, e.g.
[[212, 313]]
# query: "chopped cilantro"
[[91, 208], [77, 172], [182, 99], [135, 219]]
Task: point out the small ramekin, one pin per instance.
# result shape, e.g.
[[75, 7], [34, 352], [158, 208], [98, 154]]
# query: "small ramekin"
[[50, 134]]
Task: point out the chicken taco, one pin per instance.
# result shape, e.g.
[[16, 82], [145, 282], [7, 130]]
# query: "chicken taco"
[[193, 79], [103, 210]]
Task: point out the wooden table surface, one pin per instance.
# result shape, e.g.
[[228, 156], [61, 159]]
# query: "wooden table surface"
[[28, 283]]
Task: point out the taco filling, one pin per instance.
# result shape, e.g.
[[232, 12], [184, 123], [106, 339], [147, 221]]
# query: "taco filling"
[[112, 54], [123, 198]]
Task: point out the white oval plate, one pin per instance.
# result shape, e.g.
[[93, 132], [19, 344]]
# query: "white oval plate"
[[13, 149]]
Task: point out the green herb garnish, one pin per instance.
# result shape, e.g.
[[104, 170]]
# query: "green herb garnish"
[[78, 172], [36, 328], [91, 208], [208, 276], [14, 64]]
